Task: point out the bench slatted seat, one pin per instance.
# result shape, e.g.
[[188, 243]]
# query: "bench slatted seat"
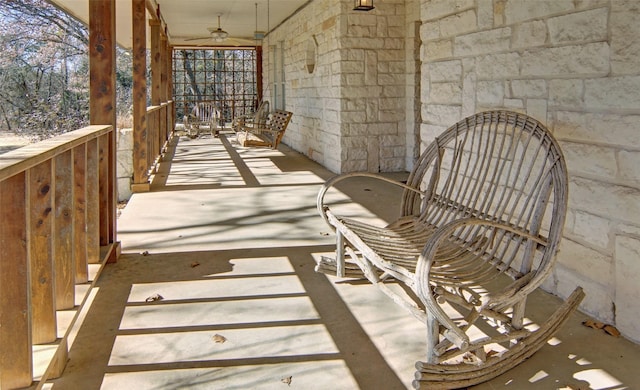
[[268, 135], [481, 217]]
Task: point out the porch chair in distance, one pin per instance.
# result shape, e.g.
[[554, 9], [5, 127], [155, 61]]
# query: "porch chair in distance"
[[481, 218], [203, 114]]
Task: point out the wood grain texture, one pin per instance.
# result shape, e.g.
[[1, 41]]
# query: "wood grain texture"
[[80, 213], [64, 263], [16, 364], [93, 202], [41, 256]]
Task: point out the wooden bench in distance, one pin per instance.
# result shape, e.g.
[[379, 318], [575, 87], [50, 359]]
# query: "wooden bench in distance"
[[270, 135]]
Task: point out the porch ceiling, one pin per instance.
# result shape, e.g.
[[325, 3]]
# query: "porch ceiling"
[[186, 19]]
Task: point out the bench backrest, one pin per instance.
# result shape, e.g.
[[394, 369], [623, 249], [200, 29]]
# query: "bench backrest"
[[497, 166], [262, 114], [205, 112], [278, 123]]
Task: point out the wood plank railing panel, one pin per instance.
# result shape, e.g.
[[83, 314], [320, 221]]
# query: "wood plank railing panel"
[[64, 267], [40, 198], [16, 365], [54, 198], [80, 213], [103, 187], [93, 202]]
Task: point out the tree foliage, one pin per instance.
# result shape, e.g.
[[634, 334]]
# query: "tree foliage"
[[44, 70]]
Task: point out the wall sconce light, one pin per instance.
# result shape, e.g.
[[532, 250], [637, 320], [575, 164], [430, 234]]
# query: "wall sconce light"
[[363, 5]]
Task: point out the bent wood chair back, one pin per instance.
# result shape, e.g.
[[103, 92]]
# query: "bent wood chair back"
[[203, 113], [501, 167]]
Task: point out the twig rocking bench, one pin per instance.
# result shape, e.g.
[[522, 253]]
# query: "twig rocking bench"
[[482, 215]]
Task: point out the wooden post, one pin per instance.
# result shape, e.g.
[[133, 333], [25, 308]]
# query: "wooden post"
[[102, 103], [63, 265], [156, 64], [43, 311], [172, 109], [140, 150], [16, 364], [163, 67], [164, 88], [259, 72]]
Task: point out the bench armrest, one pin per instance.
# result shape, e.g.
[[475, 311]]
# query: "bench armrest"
[[322, 207], [507, 296]]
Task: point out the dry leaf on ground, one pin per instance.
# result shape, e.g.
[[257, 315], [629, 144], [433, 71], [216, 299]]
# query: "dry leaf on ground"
[[287, 380], [612, 330], [593, 324], [609, 329], [154, 297], [218, 338]]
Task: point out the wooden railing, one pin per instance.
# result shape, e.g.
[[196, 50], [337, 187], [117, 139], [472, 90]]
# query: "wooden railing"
[[149, 148], [57, 217]]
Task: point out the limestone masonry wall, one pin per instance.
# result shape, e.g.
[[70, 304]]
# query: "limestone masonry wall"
[[574, 65], [384, 83], [349, 113]]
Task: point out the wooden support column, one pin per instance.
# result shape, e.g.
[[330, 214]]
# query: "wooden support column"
[[163, 90], [156, 62], [63, 265], [259, 73], [16, 364], [164, 66], [41, 256], [140, 150], [102, 104], [153, 128], [172, 109]]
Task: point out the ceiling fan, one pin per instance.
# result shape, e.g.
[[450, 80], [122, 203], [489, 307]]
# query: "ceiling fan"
[[218, 35]]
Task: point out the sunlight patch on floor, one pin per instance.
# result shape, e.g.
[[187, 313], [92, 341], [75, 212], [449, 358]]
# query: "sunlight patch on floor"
[[302, 375]]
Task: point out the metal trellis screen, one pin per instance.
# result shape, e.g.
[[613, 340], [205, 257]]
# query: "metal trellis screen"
[[226, 77]]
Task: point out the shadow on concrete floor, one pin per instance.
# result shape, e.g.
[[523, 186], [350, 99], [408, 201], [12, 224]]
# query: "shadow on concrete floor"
[[228, 238]]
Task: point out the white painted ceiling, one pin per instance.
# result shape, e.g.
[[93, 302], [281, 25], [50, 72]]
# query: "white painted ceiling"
[[188, 19]]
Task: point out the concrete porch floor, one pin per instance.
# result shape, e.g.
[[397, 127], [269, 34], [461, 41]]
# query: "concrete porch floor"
[[228, 237]]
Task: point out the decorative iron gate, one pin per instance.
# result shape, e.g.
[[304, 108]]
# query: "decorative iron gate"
[[226, 77]]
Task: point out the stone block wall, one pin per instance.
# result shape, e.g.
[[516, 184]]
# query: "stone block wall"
[[350, 112], [574, 65], [313, 98], [124, 163], [373, 70]]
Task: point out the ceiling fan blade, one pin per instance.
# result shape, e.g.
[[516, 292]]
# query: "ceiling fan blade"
[[196, 39], [241, 41]]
